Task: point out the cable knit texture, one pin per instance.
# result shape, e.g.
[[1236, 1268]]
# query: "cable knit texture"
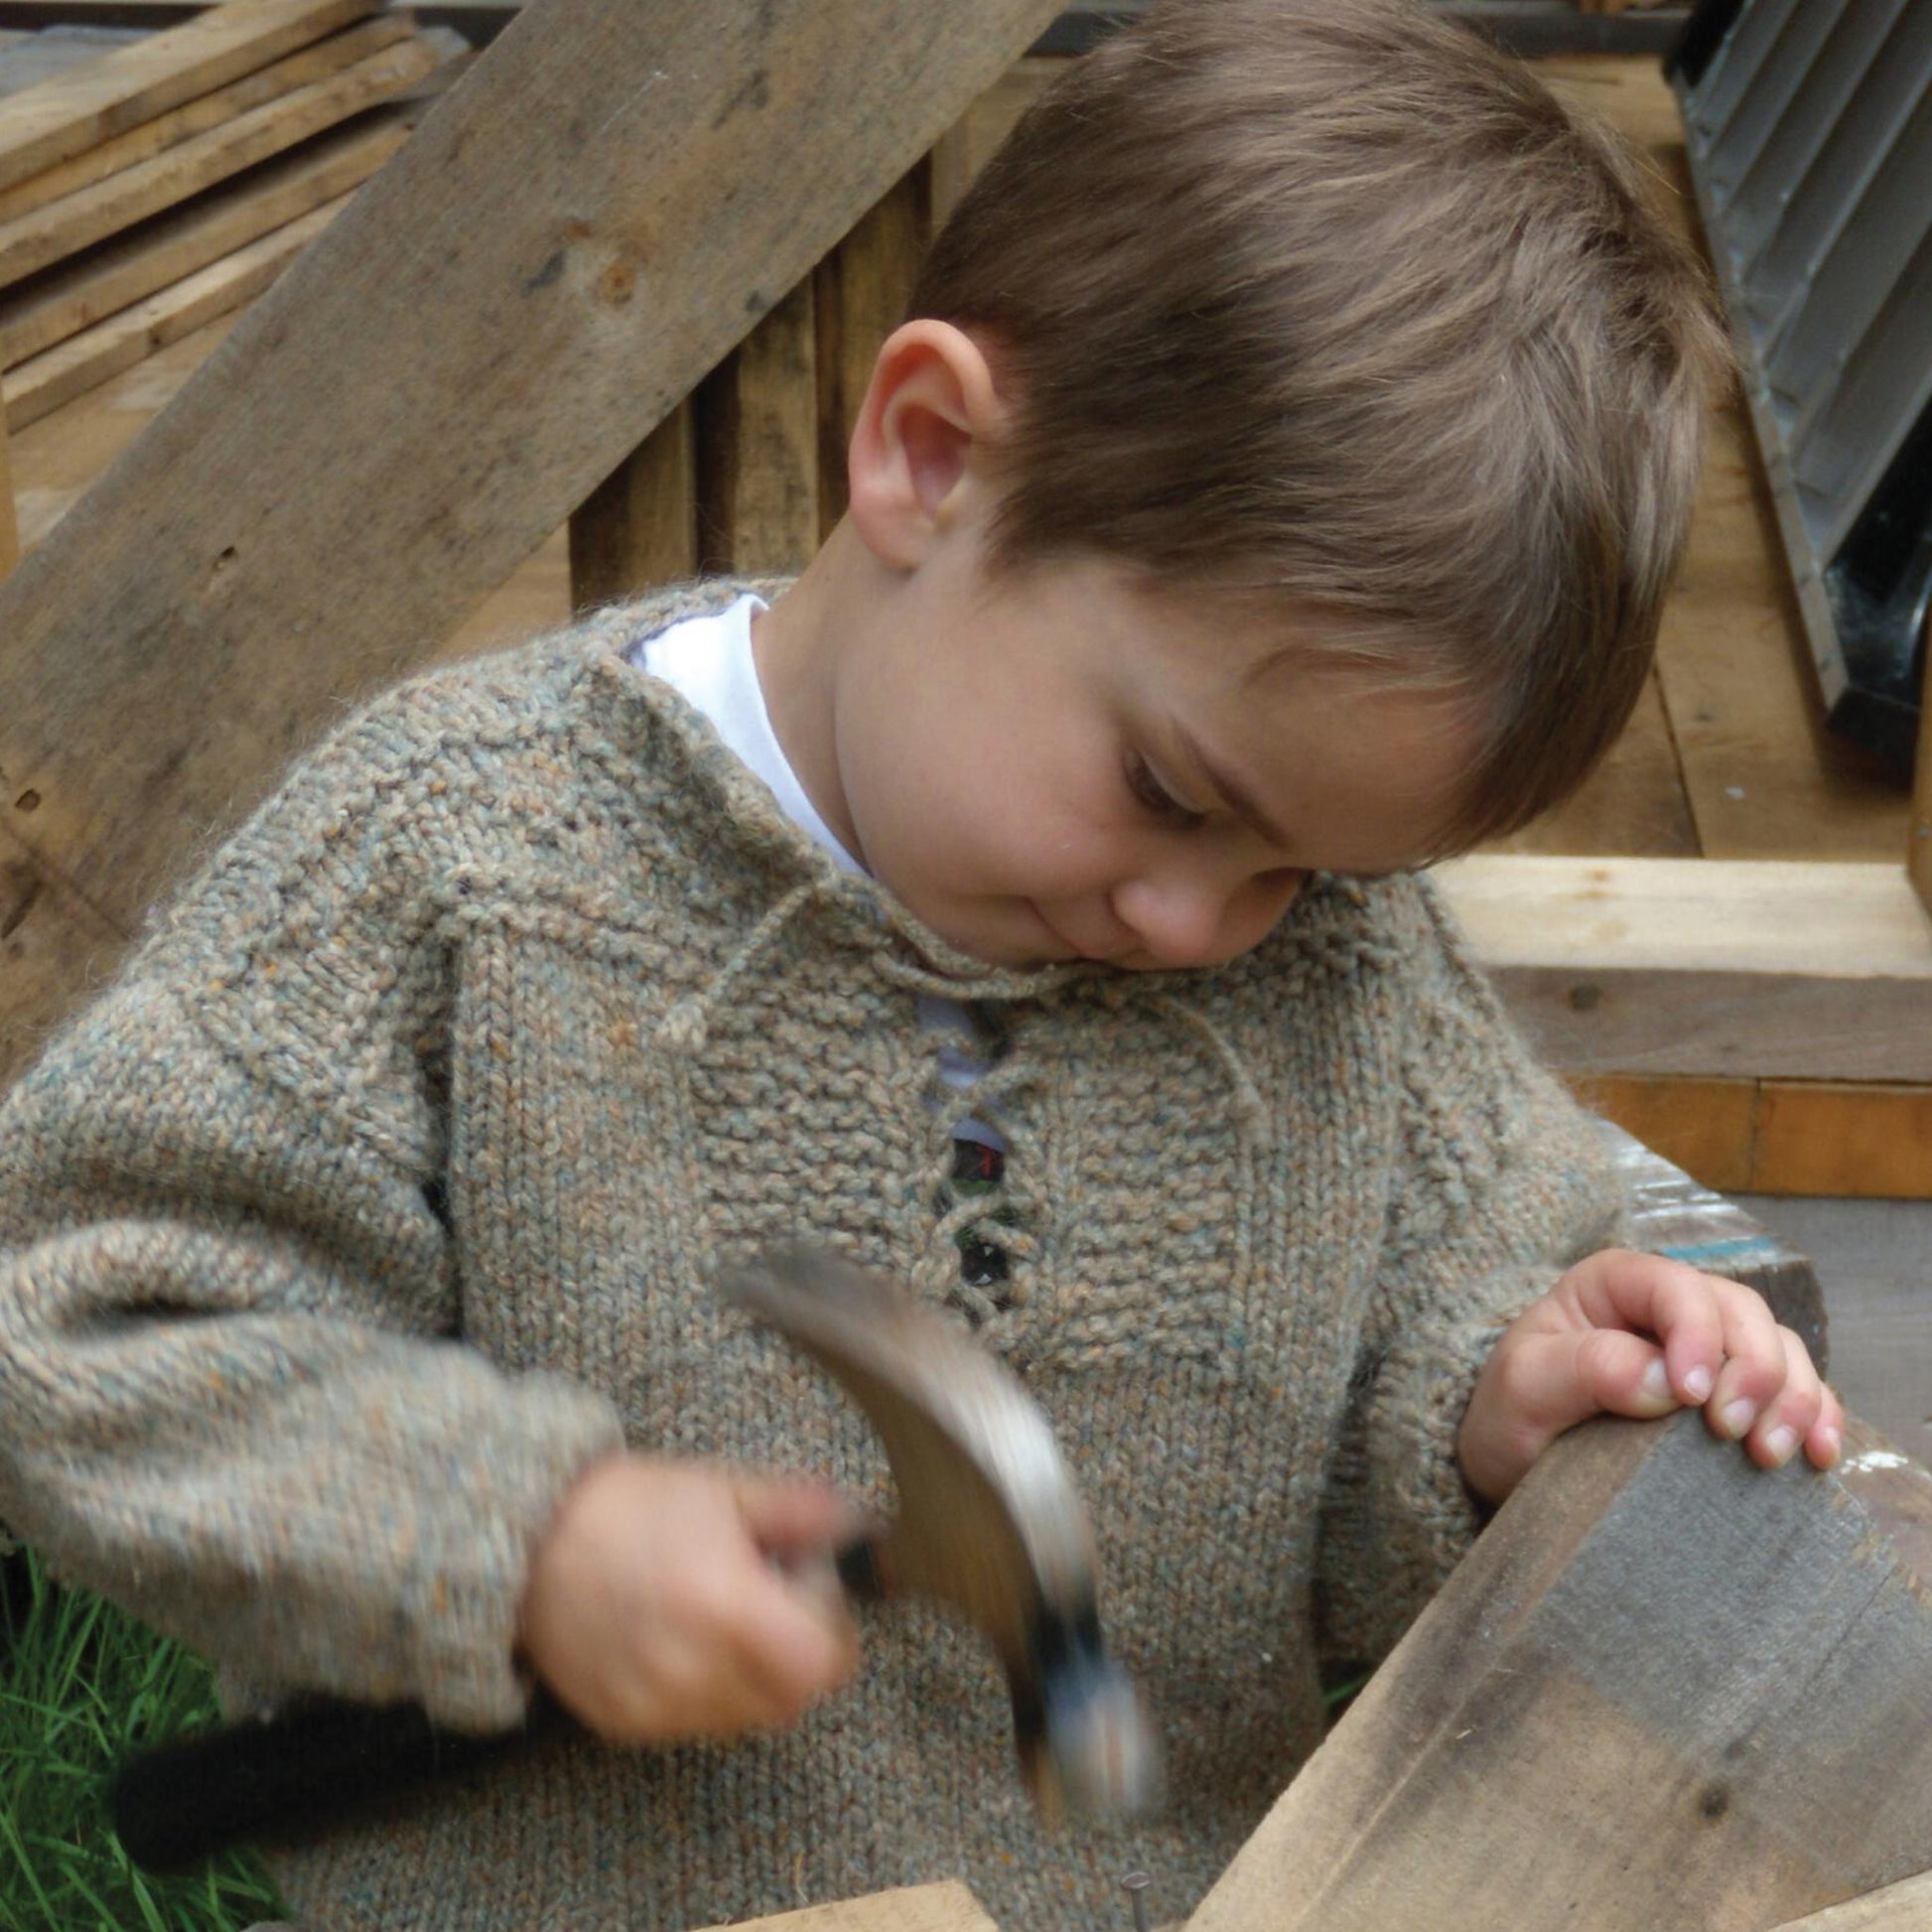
[[385, 1190]]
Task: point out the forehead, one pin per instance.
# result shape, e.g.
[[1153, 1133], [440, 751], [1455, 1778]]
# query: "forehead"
[[1319, 719]]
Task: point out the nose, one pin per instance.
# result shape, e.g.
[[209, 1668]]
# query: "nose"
[[1184, 918]]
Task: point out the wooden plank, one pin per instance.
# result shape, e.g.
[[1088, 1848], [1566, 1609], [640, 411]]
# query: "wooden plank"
[[1918, 849], [640, 526], [1708, 1128], [162, 252], [1616, 1713], [1695, 966], [563, 249], [1904, 1907], [1862, 1141], [758, 446], [197, 116], [9, 525], [48, 935], [859, 291], [948, 1908], [44, 381], [48, 234], [57, 459], [74, 111]]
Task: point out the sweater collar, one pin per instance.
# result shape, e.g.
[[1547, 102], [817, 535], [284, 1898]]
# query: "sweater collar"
[[870, 915]]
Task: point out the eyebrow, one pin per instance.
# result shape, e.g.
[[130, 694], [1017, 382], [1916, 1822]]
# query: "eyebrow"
[[1238, 796]]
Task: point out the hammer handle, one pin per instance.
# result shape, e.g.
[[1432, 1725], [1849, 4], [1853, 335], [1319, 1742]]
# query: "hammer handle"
[[325, 1762]]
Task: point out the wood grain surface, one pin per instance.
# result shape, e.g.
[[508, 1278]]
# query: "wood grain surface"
[[9, 524], [1904, 1907], [57, 375], [577, 232], [98, 99], [207, 112], [758, 446], [640, 525], [76, 296], [947, 1907], [1665, 1689], [49, 235], [1757, 968]]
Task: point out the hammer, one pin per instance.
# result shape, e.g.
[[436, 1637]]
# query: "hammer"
[[989, 1523]]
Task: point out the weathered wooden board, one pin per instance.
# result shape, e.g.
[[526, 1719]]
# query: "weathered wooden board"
[[1859, 1140], [158, 253], [861, 291], [1759, 968], [1904, 1907], [42, 383], [1665, 1689], [9, 526], [208, 111], [640, 526], [758, 446], [49, 235], [94, 103], [576, 234], [948, 1908]]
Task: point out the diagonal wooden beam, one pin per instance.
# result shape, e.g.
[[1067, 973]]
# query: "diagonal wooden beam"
[[578, 233]]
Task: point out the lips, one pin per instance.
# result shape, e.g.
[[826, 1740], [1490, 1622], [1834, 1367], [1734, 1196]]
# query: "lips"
[[1072, 950]]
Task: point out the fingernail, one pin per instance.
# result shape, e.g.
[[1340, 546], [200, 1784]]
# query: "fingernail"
[[1833, 1446], [1780, 1443], [1655, 1386], [1738, 1417], [1696, 1384]]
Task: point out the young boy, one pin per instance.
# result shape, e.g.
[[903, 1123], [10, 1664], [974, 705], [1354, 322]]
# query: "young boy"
[[1274, 491]]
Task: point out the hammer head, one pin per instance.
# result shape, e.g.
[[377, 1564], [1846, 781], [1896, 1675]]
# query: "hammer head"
[[989, 1520]]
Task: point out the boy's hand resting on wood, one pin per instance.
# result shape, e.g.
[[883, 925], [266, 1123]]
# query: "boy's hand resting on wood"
[[658, 1606], [1635, 1335]]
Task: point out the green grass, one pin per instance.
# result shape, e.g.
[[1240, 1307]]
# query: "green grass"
[[81, 1686]]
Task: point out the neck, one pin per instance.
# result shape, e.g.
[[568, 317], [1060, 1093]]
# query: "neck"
[[794, 645]]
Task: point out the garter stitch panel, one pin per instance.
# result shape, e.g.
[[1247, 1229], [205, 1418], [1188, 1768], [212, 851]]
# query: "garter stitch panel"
[[383, 1191]]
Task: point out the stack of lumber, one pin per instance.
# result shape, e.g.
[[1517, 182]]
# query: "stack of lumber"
[[149, 189]]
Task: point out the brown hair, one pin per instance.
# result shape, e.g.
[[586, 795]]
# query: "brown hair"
[[1336, 304]]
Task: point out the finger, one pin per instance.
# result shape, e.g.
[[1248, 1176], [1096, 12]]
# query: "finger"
[[793, 1515], [1755, 1362], [1537, 1385], [1665, 1299], [1825, 1445], [791, 1643], [1787, 1418]]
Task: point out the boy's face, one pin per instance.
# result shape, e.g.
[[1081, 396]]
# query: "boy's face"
[[1067, 763]]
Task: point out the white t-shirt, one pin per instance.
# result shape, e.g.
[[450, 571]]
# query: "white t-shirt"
[[708, 661]]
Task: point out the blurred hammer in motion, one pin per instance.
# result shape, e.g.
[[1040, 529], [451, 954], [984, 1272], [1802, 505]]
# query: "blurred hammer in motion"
[[989, 1523]]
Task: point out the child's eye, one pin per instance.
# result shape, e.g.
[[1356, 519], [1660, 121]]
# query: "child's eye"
[[1149, 792]]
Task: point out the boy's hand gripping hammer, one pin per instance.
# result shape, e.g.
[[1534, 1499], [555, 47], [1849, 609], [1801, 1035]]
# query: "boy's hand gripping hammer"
[[988, 1523]]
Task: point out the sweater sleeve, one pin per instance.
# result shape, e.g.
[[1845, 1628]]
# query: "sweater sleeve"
[[1500, 1182], [233, 1393]]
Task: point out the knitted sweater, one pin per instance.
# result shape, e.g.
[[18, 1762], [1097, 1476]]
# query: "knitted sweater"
[[383, 1191]]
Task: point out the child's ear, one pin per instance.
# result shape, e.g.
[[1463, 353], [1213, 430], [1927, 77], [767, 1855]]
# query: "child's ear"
[[918, 454]]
